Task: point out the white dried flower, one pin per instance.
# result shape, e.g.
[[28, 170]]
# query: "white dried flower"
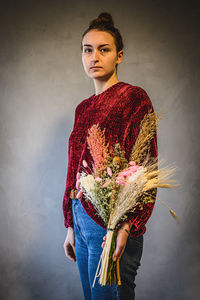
[[87, 182]]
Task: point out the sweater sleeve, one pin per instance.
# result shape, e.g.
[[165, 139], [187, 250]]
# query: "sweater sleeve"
[[139, 217], [70, 180]]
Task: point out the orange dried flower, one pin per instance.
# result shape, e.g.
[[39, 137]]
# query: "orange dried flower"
[[97, 146]]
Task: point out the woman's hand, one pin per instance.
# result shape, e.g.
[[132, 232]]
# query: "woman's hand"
[[121, 240], [69, 244]]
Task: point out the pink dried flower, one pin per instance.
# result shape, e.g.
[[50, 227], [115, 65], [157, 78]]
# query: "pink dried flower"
[[78, 175], [125, 173], [109, 171], [132, 163], [133, 169], [129, 171], [85, 163], [120, 182], [98, 179], [120, 179]]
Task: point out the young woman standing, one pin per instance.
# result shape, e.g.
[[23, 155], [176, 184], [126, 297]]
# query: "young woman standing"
[[118, 107]]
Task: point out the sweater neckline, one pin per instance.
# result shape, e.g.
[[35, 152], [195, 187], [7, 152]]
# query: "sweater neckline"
[[107, 90]]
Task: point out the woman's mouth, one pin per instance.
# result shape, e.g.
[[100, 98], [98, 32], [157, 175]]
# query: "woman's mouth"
[[94, 68]]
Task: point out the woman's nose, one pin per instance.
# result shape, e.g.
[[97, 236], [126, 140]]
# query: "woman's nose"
[[95, 56]]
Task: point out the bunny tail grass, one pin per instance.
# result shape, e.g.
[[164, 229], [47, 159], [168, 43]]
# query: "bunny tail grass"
[[174, 215]]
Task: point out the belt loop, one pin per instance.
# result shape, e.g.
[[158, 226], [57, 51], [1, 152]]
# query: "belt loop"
[[73, 193]]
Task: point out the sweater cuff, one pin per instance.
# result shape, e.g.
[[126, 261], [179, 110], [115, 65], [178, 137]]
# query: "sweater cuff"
[[140, 217], [68, 214], [68, 223]]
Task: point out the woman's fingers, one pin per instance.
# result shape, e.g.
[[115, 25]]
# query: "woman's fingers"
[[121, 241], [103, 244], [70, 252], [79, 194], [69, 244], [118, 252], [74, 252]]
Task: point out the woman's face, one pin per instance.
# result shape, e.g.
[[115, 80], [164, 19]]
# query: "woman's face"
[[99, 50]]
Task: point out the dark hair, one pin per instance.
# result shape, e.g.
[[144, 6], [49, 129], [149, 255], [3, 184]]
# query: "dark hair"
[[104, 22]]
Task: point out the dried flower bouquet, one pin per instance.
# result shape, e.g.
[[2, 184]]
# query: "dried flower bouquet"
[[117, 186]]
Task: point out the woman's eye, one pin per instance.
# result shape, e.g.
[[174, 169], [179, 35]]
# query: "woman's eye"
[[87, 50], [104, 49]]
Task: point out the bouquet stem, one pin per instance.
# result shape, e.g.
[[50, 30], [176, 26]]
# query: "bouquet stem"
[[108, 271], [118, 273]]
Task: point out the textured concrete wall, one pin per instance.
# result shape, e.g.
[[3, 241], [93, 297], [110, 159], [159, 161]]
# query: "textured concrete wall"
[[41, 82]]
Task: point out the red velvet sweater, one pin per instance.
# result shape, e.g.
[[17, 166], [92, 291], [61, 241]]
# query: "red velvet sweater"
[[119, 109]]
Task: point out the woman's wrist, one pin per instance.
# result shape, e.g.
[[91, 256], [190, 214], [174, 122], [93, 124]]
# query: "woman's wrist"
[[124, 229], [126, 225], [70, 229]]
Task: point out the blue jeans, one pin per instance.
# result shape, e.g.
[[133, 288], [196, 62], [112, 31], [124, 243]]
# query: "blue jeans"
[[88, 239]]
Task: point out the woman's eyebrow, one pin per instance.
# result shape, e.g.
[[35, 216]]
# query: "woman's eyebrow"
[[88, 45]]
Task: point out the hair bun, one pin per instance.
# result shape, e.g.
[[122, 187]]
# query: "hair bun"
[[103, 18], [107, 18]]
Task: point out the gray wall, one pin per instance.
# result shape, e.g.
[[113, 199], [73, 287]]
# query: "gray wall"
[[42, 81]]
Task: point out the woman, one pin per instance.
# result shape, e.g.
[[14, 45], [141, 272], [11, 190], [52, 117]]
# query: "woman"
[[119, 108]]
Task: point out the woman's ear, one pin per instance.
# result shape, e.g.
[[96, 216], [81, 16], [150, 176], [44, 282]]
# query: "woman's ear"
[[120, 56]]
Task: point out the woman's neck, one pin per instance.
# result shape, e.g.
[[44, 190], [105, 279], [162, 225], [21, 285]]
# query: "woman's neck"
[[101, 86]]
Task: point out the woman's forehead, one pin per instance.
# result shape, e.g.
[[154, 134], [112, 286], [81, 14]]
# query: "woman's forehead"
[[97, 38]]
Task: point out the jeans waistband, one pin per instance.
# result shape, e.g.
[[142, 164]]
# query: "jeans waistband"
[[76, 200]]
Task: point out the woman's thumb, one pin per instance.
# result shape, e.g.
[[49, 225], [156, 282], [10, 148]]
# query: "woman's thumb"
[[116, 254]]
